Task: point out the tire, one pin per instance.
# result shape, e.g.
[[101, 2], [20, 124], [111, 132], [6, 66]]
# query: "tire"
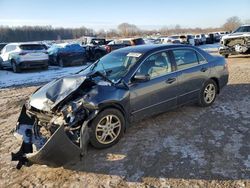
[[97, 55], [101, 132], [226, 55], [60, 62], [208, 93], [15, 67]]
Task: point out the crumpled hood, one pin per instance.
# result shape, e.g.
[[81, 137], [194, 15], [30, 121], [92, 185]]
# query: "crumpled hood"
[[48, 96]]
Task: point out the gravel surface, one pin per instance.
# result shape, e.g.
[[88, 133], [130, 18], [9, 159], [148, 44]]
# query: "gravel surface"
[[186, 147]]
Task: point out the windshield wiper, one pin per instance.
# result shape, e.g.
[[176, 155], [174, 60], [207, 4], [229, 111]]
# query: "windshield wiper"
[[83, 69], [91, 64], [98, 73]]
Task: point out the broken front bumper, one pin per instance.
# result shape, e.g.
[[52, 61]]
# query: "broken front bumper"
[[237, 49], [58, 150]]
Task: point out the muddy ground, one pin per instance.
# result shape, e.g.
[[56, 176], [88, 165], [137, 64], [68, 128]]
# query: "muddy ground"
[[187, 147]]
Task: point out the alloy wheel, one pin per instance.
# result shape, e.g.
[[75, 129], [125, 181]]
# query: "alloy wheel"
[[108, 129], [209, 93]]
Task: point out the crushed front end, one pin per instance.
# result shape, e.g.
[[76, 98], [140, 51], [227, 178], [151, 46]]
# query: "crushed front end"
[[235, 44], [58, 136]]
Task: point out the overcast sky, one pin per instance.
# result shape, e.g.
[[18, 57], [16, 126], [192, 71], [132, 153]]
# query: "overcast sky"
[[106, 14]]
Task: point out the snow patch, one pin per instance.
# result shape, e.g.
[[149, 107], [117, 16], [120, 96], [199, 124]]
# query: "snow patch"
[[10, 79]]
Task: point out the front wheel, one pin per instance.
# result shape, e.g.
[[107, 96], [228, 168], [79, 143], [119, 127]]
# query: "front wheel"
[[208, 93], [60, 62], [15, 67], [107, 128], [97, 55]]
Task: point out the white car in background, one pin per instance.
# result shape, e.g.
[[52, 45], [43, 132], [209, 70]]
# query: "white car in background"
[[174, 39], [20, 56], [201, 37]]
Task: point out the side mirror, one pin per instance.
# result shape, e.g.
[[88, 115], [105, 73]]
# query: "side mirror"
[[141, 77]]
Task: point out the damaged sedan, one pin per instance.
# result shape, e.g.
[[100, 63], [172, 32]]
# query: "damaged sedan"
[[97, 104], [236, 43]]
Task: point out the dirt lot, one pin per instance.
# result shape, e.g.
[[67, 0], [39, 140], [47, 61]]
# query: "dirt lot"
[[187, 147]]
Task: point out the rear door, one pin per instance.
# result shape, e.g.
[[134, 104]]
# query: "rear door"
[[194, 71], [159, 93]]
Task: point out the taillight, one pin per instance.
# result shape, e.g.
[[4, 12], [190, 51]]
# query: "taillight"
[[108, 49], [22, 53]]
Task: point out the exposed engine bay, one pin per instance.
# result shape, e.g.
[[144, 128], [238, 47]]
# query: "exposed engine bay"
[[53, 123]]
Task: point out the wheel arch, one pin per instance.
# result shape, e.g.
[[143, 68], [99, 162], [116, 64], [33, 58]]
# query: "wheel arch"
[[116, 106], [216, 80]]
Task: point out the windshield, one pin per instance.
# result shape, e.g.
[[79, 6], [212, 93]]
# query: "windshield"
[[242, 29], [114, 65]]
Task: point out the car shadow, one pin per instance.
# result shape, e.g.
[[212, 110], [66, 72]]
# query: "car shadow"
[[239, 56], [190, 142]]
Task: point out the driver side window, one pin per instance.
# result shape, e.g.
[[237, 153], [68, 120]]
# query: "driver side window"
[[156, 65]]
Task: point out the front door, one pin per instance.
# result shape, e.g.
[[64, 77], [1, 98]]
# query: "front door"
[[157, 94]]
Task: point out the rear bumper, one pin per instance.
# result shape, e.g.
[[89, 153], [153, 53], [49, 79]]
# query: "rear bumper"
[[33, 64], [223, 81]]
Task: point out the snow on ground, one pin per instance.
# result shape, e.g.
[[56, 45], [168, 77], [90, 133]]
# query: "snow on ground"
[[34, 77], [210, 48], [10, 79]]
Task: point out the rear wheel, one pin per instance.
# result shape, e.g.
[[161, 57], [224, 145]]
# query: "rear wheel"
[[15, 67], [208, 93], [60, 62], [98, 55], [107, 128], [226, 55], [46, 68]]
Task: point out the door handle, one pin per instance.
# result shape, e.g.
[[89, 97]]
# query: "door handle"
[[170, 80], [204, 69]]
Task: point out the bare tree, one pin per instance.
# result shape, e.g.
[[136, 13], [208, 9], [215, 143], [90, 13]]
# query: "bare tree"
[[126, 29], [232, 23]]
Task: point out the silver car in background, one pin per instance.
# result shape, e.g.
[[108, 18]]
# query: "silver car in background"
[[20, 56]]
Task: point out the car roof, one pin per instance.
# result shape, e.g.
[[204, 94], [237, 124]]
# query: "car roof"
[[130, 38], [23, 43], [149, 48]]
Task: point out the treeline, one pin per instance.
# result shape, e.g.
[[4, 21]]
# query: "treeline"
[[38, 33]]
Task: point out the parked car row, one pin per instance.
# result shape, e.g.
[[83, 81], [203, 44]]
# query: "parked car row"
[[194, 40], [19, 56]]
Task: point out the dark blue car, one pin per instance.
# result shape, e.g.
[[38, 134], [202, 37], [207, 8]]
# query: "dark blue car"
[[99, 102], [66, 54]]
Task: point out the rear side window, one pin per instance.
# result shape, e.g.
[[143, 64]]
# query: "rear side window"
[[185, 58], [10, 48], [138, 41], [201, 59], [32, 47], [127, 42]]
